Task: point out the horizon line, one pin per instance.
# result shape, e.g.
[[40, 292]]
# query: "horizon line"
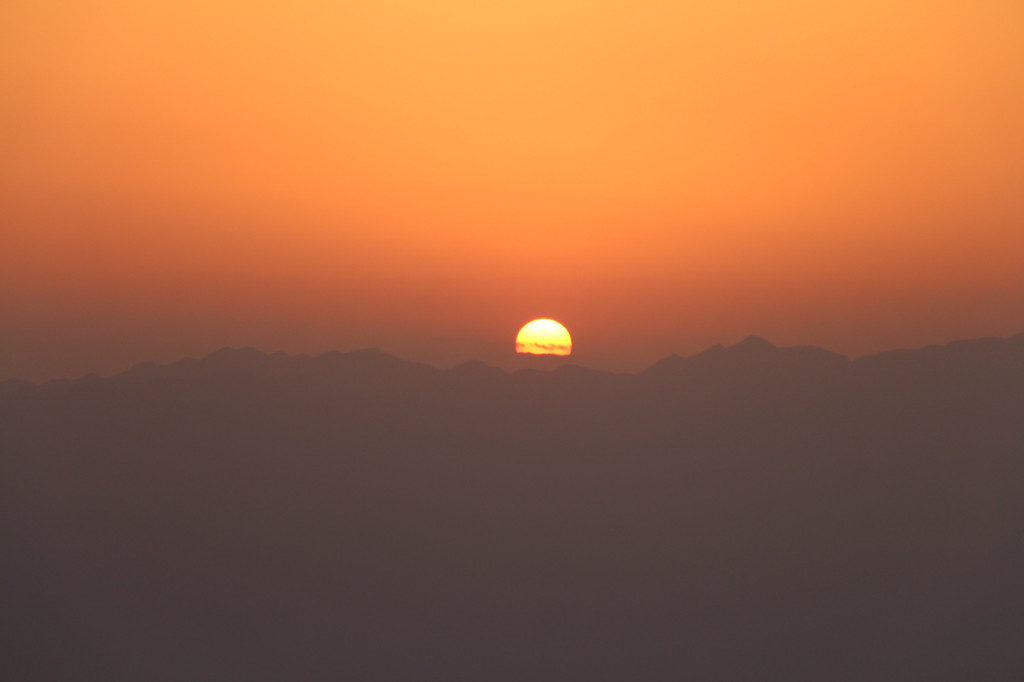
[[562, 360]]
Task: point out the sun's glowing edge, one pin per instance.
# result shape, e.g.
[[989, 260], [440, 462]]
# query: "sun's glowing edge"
[[544, 336]]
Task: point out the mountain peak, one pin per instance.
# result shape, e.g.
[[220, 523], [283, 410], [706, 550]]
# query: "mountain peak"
[[753, 344], [367, 355]]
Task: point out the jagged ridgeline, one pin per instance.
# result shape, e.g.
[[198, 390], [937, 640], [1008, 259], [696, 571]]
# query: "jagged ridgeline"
[[748, 513]]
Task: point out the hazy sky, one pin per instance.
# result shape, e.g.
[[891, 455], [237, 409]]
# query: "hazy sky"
[[427, 176]]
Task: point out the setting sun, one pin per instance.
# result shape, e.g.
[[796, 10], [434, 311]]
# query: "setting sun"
[[544, 337]]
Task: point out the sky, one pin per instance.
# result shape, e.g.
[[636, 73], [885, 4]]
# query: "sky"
[[426, 177]]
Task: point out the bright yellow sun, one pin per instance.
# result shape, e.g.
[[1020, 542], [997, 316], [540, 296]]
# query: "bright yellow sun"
[[544, 337]]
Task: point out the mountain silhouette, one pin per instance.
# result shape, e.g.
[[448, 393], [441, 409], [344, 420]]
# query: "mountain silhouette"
[[747, 513]]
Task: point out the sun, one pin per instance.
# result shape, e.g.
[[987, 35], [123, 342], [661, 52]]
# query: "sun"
[[544, 337]]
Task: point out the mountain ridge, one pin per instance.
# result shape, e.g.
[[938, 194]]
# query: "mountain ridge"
[[377, 518], [752, 348]]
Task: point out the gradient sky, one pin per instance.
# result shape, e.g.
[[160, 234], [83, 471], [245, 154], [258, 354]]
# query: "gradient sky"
[[428, 176]]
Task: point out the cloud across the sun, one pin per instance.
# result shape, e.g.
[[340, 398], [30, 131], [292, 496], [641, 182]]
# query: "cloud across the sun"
[[544, 337]]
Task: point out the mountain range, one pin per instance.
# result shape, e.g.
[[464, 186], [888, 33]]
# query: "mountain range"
[[747, 513]]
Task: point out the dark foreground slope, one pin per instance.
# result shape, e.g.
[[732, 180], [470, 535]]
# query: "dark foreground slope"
[[750, 513]]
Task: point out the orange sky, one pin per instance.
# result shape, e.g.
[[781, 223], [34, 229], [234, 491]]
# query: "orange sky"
[[428, 176]]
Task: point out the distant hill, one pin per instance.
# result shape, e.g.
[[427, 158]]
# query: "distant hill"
[[747, 513]]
